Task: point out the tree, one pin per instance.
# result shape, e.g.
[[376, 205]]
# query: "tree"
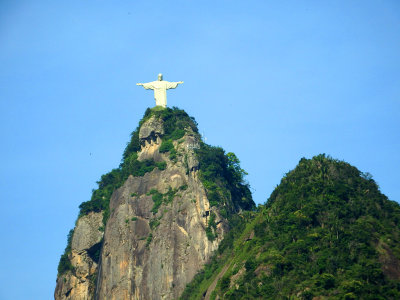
[[234, 167]]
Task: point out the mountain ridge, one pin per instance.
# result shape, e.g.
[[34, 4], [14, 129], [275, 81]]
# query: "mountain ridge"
[[157, 218], [176, 219], [325, 232]]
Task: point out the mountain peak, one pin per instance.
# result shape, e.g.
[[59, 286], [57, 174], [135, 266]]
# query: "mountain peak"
[[156, 219], [325, 232]]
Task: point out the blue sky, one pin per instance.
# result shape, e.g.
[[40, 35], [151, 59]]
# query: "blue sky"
[[272, 81]]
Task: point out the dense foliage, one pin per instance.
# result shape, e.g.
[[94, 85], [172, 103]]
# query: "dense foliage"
[[223, 179], [326, 231]]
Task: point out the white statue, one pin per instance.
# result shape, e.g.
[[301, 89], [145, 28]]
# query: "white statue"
[[160, 88]]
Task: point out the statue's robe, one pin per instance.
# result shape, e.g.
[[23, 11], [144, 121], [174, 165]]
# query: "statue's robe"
[[160, 90]]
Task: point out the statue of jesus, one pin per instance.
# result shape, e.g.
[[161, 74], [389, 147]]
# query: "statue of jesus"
[[160, 88]]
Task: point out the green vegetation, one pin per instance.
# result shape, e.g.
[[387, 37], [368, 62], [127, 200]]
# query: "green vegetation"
[[200, 283], [223, 179], [175, 121], [326, 231], [109, 182], [162, 165], [149, 239], [154, 223], [219, 172], [211, 227], [65, 264], [168, 146], [159, 198]]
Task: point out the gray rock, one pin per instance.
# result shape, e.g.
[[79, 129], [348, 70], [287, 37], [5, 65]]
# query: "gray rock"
[[132, 265], [151, 129], [86, 232], [80, 284], [146, 255]]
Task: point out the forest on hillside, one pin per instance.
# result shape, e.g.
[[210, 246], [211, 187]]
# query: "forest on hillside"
[[326, 231]]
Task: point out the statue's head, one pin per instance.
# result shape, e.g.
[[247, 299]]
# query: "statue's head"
[[160, 77]]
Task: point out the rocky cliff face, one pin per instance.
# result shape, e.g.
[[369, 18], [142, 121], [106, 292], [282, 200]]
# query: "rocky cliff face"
[[86, 241], [149, 255], [157, 236]]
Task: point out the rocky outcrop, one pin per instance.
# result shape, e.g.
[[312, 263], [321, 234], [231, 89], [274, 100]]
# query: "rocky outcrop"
[[151, 129], [155, 239], [79, 282], [153, 255]]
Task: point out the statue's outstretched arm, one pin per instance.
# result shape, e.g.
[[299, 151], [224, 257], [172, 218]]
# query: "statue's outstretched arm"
[[172, 85], [147, 86]]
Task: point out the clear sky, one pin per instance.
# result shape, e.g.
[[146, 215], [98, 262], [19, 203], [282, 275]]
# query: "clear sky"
[[272, 81]]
